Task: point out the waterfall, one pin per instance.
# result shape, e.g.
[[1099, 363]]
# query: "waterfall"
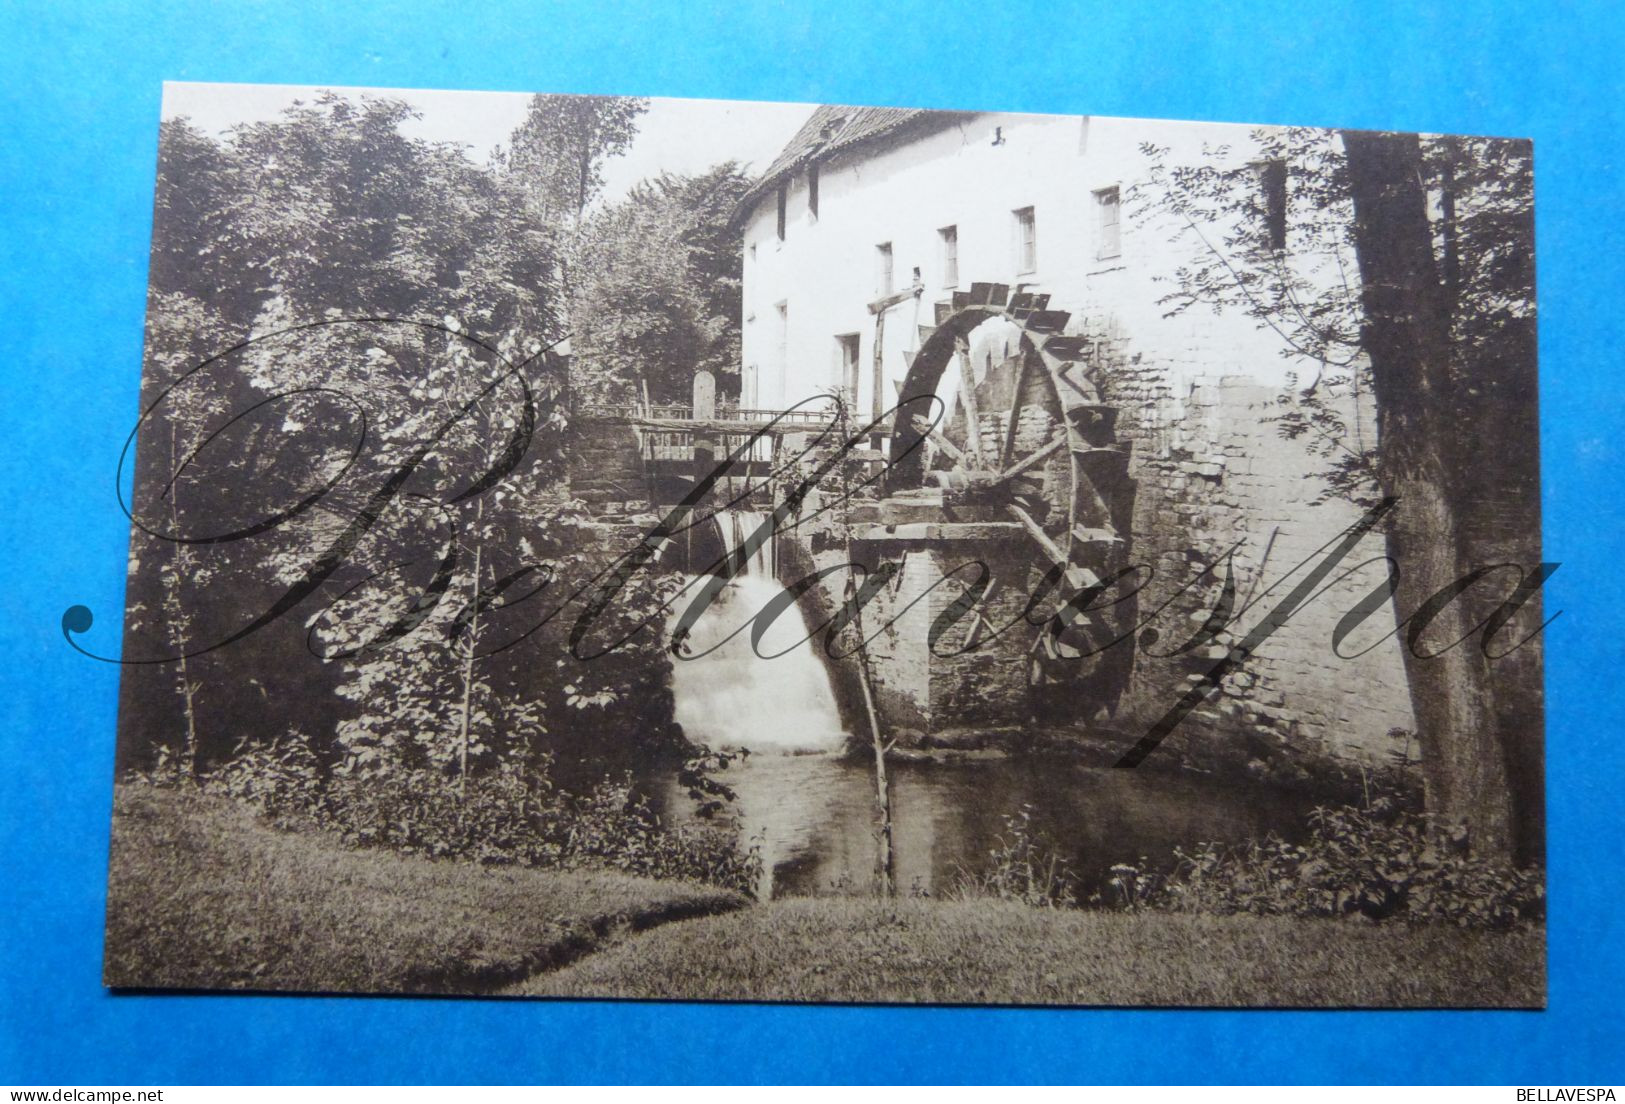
[[740, 528], [731, 697], [781, 709]]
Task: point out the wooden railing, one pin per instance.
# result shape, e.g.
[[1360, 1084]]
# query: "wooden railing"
[[676, 443], [724, 412]]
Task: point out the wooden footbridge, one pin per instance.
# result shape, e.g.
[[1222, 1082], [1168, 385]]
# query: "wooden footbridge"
[[653, 455]]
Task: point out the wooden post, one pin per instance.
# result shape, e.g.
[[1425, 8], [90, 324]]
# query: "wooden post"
[[967, 399], [705, 446], [879, 383], [885, 860], [705, 395]]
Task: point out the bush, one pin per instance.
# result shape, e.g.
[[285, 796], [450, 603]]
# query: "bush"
[[507, 815], [1025, 867], [1380, 862], [281, 778]]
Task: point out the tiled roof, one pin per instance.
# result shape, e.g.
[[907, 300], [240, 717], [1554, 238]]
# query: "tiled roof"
[[828, 130]]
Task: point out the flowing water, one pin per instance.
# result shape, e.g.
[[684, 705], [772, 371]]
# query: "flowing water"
[[812, 813], [730, 695]]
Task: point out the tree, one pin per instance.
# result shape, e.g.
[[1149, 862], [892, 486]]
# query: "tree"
[[558, 152], [656, 295], [1407, 336], [556, 159], [172, 573], [1396, 270], [327, 213]]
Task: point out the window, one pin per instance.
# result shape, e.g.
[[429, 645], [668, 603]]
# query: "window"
[[846, 371], [1108, 238], [948, 237], [1026, 241], [812, 190], [747, 388], [1272, 186], [883, 268], [784, 198]]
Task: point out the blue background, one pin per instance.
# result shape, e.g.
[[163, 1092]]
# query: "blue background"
[[79, 85]]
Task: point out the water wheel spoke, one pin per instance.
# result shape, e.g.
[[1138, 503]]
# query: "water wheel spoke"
[[923, 426], [1056, 444], [1052, 551], [1009, 447], [967, 400]]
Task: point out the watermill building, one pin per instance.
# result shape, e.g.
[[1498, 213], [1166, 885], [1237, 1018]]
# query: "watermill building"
[[892, 254]]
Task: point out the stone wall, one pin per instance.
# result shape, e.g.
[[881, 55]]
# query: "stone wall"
[[949, 698], [1215, 474], [606, 464]]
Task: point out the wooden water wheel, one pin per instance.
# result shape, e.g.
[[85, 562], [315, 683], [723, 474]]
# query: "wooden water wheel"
[[1024, 437]]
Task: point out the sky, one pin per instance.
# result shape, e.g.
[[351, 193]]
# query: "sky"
[[682, 136]]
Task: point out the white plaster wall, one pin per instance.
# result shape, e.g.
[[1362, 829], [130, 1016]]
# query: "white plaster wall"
[[826, 268]]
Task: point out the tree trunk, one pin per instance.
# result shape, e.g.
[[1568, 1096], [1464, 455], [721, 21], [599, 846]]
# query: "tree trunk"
[[466, 723], [885, 854], [1406, 334], [885, 857], [175, 607]]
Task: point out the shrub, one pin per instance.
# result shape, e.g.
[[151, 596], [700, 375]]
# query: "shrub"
[[1379, 862], [614, 827], [1024, 866], [282, 778], [506, 815], [1131, 887]]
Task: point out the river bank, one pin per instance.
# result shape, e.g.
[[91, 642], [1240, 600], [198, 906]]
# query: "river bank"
[[206, 895]]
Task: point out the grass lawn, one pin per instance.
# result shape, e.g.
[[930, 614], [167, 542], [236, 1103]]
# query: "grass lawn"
[[204, 895], [201, 894], [953, 952]]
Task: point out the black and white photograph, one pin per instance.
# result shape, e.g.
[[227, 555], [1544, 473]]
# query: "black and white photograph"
[[633, 548]]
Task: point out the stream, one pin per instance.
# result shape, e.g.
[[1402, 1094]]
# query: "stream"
[[811, 811]]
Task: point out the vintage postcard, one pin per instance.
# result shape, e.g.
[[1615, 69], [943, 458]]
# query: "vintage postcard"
[[618, 547]]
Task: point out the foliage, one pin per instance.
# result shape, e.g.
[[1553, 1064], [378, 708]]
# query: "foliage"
[[400, 298], [1023, 866], [615, 828], [506, 816], [282, 778], [328, 212], [559, 151], [331, 208], [656, 288], [1380, 863], [1399, 279], [331, 212], [1307, 294], [695, 777]]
